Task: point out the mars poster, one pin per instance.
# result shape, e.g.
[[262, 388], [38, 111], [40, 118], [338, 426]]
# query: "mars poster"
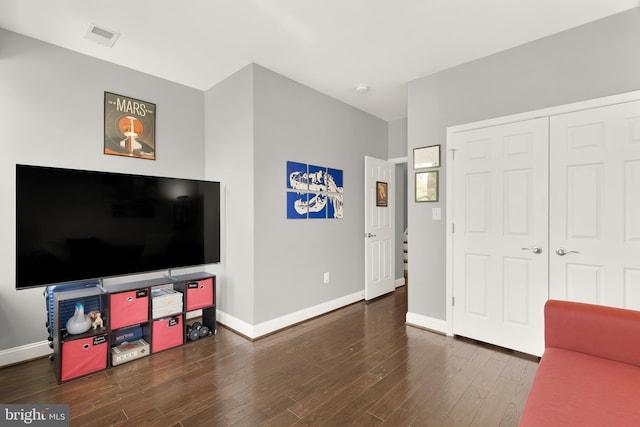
[[129, 127]]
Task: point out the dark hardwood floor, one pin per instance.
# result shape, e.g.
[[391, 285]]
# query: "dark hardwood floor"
[[360, 365]]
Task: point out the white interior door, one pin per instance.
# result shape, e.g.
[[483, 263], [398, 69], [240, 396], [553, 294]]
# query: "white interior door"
[[500, 238], [595, 206], [379, 227]]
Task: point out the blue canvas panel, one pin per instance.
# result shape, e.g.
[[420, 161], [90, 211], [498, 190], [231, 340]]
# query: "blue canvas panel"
[[317, 205], [296, 205], [335, 206], [334, 180], [297, 176]]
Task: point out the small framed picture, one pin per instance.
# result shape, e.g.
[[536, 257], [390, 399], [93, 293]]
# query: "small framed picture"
[[381, 194], [427, 186], [426, 157], [129, 127]]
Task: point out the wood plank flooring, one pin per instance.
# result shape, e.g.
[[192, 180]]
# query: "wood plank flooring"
[[360, 365]]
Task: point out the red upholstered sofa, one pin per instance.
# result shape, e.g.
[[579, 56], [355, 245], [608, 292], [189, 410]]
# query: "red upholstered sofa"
[[589, 374]]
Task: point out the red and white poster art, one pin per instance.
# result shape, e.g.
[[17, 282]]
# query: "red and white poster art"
[[129, 127]]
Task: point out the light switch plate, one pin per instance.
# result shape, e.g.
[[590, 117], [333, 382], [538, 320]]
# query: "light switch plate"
[[436, 214]]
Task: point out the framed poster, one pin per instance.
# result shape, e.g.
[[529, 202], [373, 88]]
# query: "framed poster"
[[381, 194], [129, 127], [426, 157], [427, 186]]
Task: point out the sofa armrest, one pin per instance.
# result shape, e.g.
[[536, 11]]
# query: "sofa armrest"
[[611, 333]]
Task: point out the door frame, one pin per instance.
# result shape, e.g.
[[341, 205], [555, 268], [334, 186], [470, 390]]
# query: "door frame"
[[451, 131]]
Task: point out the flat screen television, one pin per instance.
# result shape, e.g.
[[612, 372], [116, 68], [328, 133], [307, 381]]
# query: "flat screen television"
[[75, 225]]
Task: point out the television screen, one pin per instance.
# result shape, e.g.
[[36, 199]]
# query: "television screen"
[[74, 225]]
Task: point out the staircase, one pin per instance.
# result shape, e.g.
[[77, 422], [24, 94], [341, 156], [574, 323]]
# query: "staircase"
[[405, 244]]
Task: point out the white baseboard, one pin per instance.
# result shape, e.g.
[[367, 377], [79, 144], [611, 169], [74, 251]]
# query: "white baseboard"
[[265, 328], [234, 323], [426, 322], [24, 353], [40, 349], [399, 282]]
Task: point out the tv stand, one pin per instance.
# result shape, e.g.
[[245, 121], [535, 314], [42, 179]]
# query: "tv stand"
[[139, 319]]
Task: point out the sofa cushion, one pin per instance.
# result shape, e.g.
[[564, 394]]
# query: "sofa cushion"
[[576, 389], [607, 332]]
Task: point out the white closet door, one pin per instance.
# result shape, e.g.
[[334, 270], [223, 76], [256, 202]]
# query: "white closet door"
[[595, 206], [500, 215]]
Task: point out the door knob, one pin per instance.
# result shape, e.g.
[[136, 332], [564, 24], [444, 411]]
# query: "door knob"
[[536, 250], [369, 235], [563, 252]]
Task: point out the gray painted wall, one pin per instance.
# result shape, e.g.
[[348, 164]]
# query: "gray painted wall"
[[256, 121], [229, 159], [397, 135], [51, 113], [590, 61], [294, 122]]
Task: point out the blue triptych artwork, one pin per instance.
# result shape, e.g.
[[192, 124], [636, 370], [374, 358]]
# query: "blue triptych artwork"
[[314, 191]]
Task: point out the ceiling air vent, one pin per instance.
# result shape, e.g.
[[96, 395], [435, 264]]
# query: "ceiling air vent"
[[101, 35]]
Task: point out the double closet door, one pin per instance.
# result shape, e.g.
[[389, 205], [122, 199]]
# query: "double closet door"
[[544, 208]]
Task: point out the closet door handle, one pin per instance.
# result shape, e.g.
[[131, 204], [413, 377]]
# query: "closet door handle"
[[563, 252], [535, 249]]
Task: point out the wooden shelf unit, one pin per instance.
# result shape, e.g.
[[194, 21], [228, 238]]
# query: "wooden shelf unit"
[[126, 307]]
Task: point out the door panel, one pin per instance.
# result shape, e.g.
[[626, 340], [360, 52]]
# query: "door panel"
[[583, 282], [632, 288], [500, 215], [632, 201], [595, 205], [379, 229], [584, 203], [518, 275]]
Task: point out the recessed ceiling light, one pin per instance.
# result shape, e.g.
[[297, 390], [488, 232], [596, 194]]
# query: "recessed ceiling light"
[[101, 35], [362, 88]]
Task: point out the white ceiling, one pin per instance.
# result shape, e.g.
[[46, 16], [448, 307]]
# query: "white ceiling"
[[329, 45]]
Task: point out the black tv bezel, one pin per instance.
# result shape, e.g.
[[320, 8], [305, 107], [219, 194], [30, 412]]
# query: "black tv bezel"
[[167, 267]]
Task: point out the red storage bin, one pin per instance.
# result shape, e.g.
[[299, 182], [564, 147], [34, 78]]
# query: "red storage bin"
[[199, 294], [129, 308], [83, 356], [166, 333]]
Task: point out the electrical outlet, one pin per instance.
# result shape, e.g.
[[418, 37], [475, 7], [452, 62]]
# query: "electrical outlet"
[[326, 277]]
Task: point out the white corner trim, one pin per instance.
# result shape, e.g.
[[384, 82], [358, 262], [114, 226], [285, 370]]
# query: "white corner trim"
[[425, 322], [24, 353], [264, 328], [449, 231], [619, 98], [234, 323], [398, 160]]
